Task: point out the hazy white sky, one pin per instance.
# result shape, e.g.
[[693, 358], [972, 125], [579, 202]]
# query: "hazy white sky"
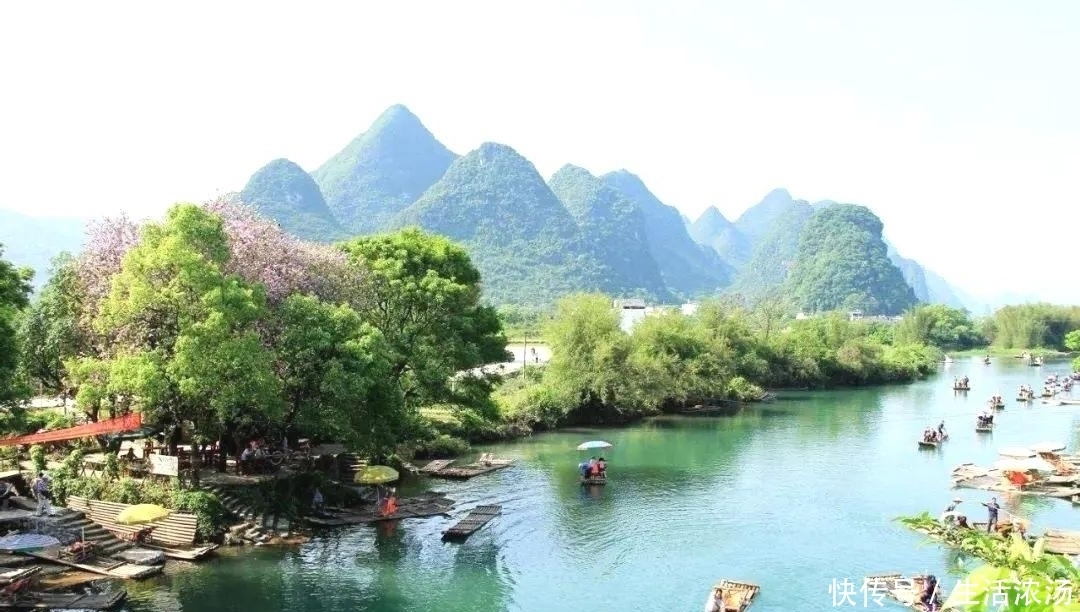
[[957, 122]]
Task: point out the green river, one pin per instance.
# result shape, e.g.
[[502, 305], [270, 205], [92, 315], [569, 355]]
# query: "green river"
[[790, 495]]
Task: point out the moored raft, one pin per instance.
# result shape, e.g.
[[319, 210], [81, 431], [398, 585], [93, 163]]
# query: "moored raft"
[[32, 600], [477, 518], [736, 596]]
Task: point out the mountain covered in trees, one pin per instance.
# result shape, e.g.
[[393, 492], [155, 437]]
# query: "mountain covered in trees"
[[769, 234], [382, 171], [534, 239], [283, 191]]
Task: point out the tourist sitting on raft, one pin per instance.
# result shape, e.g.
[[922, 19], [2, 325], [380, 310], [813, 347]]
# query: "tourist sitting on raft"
[[931, 595], [986, 419], [593, 468], [933, 435], [719, 601]]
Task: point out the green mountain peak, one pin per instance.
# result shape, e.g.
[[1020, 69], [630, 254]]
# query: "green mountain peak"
[[382, 171], [284, 192]]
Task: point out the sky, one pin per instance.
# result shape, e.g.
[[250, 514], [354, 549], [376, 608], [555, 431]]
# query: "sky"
[[956, 122]]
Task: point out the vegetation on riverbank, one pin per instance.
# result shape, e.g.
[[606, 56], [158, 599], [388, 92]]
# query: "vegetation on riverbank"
[[1028, 577], [600, 374], [218, 326]]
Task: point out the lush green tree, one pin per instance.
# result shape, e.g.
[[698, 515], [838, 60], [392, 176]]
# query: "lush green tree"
[[941, 326], [14, 296], [1072, 342], [675, 360], [589, 352], [425, 299], [334, 371], [186, 345], [50, 331], [1029, 326]]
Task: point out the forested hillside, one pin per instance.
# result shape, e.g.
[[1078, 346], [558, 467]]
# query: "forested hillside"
[[842, 263]]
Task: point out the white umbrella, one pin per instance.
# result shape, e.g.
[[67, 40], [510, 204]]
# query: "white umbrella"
[[1018, 452], [1048, 447], [1024, 465]]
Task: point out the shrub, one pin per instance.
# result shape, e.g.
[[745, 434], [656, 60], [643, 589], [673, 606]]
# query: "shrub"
[[442, 446]]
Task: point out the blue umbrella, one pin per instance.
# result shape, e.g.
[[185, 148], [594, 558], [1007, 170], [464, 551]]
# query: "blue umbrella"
[[27, 541], [593, 444]]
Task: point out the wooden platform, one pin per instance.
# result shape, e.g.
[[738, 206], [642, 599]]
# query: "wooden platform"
[[737, 595], [420, 506], [64, 601], [174, 531], [1062, 542], [486, 463], [102, 566], [477, 518]]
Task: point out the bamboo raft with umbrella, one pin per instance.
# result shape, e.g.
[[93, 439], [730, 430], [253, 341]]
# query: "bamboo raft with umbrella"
[[731, 596], [590, 478], [486, 463], [477, 518], [420, 506]]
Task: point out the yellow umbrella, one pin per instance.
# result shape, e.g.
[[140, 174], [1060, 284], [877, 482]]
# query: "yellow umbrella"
[[142, 513], [376, 474]]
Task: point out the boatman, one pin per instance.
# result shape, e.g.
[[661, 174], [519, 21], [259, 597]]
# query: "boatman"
[[992, 514]]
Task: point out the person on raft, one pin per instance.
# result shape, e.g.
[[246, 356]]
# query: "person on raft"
[[931, 596]]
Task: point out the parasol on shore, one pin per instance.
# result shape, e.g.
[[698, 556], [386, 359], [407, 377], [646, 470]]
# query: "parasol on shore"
[[142, 513], [376, 475], [593, 444]]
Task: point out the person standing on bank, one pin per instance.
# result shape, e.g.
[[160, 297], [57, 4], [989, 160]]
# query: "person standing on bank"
[[992, 514]]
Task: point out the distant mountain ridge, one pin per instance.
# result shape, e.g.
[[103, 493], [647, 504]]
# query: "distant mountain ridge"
[[535, 240]]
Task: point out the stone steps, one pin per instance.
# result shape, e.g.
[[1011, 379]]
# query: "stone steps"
[[246, 514], [67, 525]]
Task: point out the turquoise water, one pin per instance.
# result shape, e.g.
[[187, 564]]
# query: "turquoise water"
[[790, 495]]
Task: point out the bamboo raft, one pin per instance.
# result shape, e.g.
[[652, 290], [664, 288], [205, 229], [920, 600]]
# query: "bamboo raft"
[[477, 518], [593, 481], [9, 576], [486, 463], [894, 586], [737, 596], [435, 466], [64, 601], [923, 444], [956, 388], [984, 428], [103, 566], [183, 554]]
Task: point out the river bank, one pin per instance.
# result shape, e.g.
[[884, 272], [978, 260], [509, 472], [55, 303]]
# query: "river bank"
[[684, 495]]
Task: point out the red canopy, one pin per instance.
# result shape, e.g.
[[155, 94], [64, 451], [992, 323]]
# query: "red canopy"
[[121, 423]]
